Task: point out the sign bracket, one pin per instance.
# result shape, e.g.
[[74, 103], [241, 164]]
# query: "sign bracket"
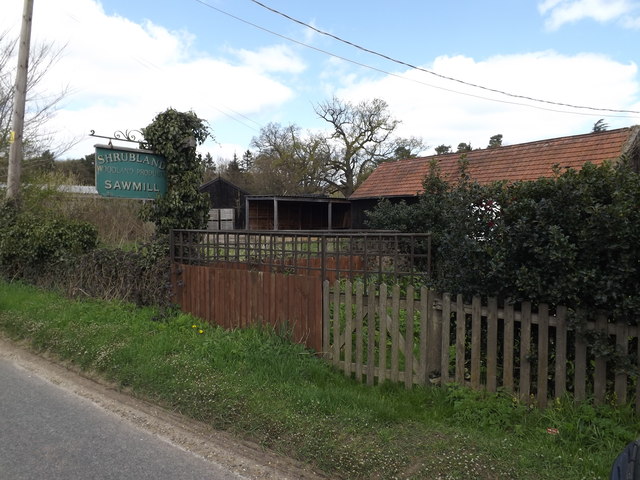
[[132, 136]]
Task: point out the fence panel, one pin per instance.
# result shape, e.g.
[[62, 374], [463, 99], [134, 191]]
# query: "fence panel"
[[517, 348], [239, 297]]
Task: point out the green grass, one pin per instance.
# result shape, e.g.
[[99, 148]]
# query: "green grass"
[[257, 385]]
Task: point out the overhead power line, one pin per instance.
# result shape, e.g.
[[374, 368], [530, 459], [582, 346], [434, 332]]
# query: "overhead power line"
[[430, 72], [360, 64]]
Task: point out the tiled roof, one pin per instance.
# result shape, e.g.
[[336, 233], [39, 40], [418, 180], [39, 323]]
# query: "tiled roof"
[[524, 161]]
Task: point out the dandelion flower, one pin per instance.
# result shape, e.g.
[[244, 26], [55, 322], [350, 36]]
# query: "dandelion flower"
[[194, 326], [200, 331]]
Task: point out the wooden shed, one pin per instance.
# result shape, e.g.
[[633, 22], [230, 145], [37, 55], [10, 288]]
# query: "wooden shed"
[[308, 212], [226, 203]]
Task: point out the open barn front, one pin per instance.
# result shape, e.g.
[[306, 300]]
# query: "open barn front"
[[297, 213]]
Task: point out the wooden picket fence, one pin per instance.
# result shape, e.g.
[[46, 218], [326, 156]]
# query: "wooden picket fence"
[[420, 337]]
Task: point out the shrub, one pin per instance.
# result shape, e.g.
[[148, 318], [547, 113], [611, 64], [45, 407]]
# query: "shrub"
[[41, 243], [175, 135], [568, 240], [141, 277], [31, 244]]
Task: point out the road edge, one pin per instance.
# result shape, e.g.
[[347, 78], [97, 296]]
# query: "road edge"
[[242, 457]]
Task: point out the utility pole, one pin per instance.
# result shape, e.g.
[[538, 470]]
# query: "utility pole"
[[19, 100]]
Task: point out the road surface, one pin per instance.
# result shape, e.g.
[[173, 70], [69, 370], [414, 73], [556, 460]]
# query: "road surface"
[[56, 424]]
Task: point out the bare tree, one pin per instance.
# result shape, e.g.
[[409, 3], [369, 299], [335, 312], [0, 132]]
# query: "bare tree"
[[362, 137], [288, 162], [41, 105]]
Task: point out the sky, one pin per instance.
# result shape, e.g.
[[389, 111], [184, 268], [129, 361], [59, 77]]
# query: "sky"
[[451, 71]]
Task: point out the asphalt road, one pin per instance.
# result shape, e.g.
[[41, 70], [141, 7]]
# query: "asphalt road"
[[49, 433], [56, 424]]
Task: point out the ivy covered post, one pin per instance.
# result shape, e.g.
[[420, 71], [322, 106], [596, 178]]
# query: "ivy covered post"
[[176, 135]]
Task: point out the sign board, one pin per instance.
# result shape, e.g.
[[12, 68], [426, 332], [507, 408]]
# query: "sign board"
[[130, 173]]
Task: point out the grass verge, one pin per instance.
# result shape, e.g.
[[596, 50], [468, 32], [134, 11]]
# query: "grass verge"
[[263, 388]]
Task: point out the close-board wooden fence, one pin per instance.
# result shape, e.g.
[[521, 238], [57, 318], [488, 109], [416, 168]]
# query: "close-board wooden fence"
[[420, 337], [234, 296]]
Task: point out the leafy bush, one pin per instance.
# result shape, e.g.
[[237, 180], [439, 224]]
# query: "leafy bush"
[[567, 240], [175, 135], [50, 250], [30, 244], [573, 239]]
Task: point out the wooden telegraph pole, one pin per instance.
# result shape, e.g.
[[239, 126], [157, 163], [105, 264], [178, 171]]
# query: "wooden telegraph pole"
[[19, 100]]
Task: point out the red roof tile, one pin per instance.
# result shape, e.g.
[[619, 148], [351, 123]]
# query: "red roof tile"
[[525, 161]]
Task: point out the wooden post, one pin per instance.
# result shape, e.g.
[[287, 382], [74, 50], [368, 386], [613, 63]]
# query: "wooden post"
[[408, 339], [600, 368], [446, 340], [382, 347], [543, 353], [476, 341], [580, 368], [371, 333], [348, 328], [395, 332], [561, 352], [525, 351], [622, 346], [19, 101], [492, 344], [359, 295], [461, 334], [275, 214], [336, 323], [509, 329], [326, 292], [425, 323]]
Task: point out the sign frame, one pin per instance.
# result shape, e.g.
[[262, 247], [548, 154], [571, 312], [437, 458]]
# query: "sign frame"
[[123, 172]]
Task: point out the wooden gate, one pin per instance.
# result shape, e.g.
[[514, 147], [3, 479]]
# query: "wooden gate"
[[234, 296]]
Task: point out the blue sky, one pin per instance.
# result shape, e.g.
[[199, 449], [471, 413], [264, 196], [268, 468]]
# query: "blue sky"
[[126, 61]]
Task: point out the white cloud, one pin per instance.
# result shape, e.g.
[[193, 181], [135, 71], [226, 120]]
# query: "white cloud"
[[631, 22], [439, 115], [276, 58], [121, 74], [559, 12]]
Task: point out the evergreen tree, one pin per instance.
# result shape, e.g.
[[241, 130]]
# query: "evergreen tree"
[[443, 149]]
